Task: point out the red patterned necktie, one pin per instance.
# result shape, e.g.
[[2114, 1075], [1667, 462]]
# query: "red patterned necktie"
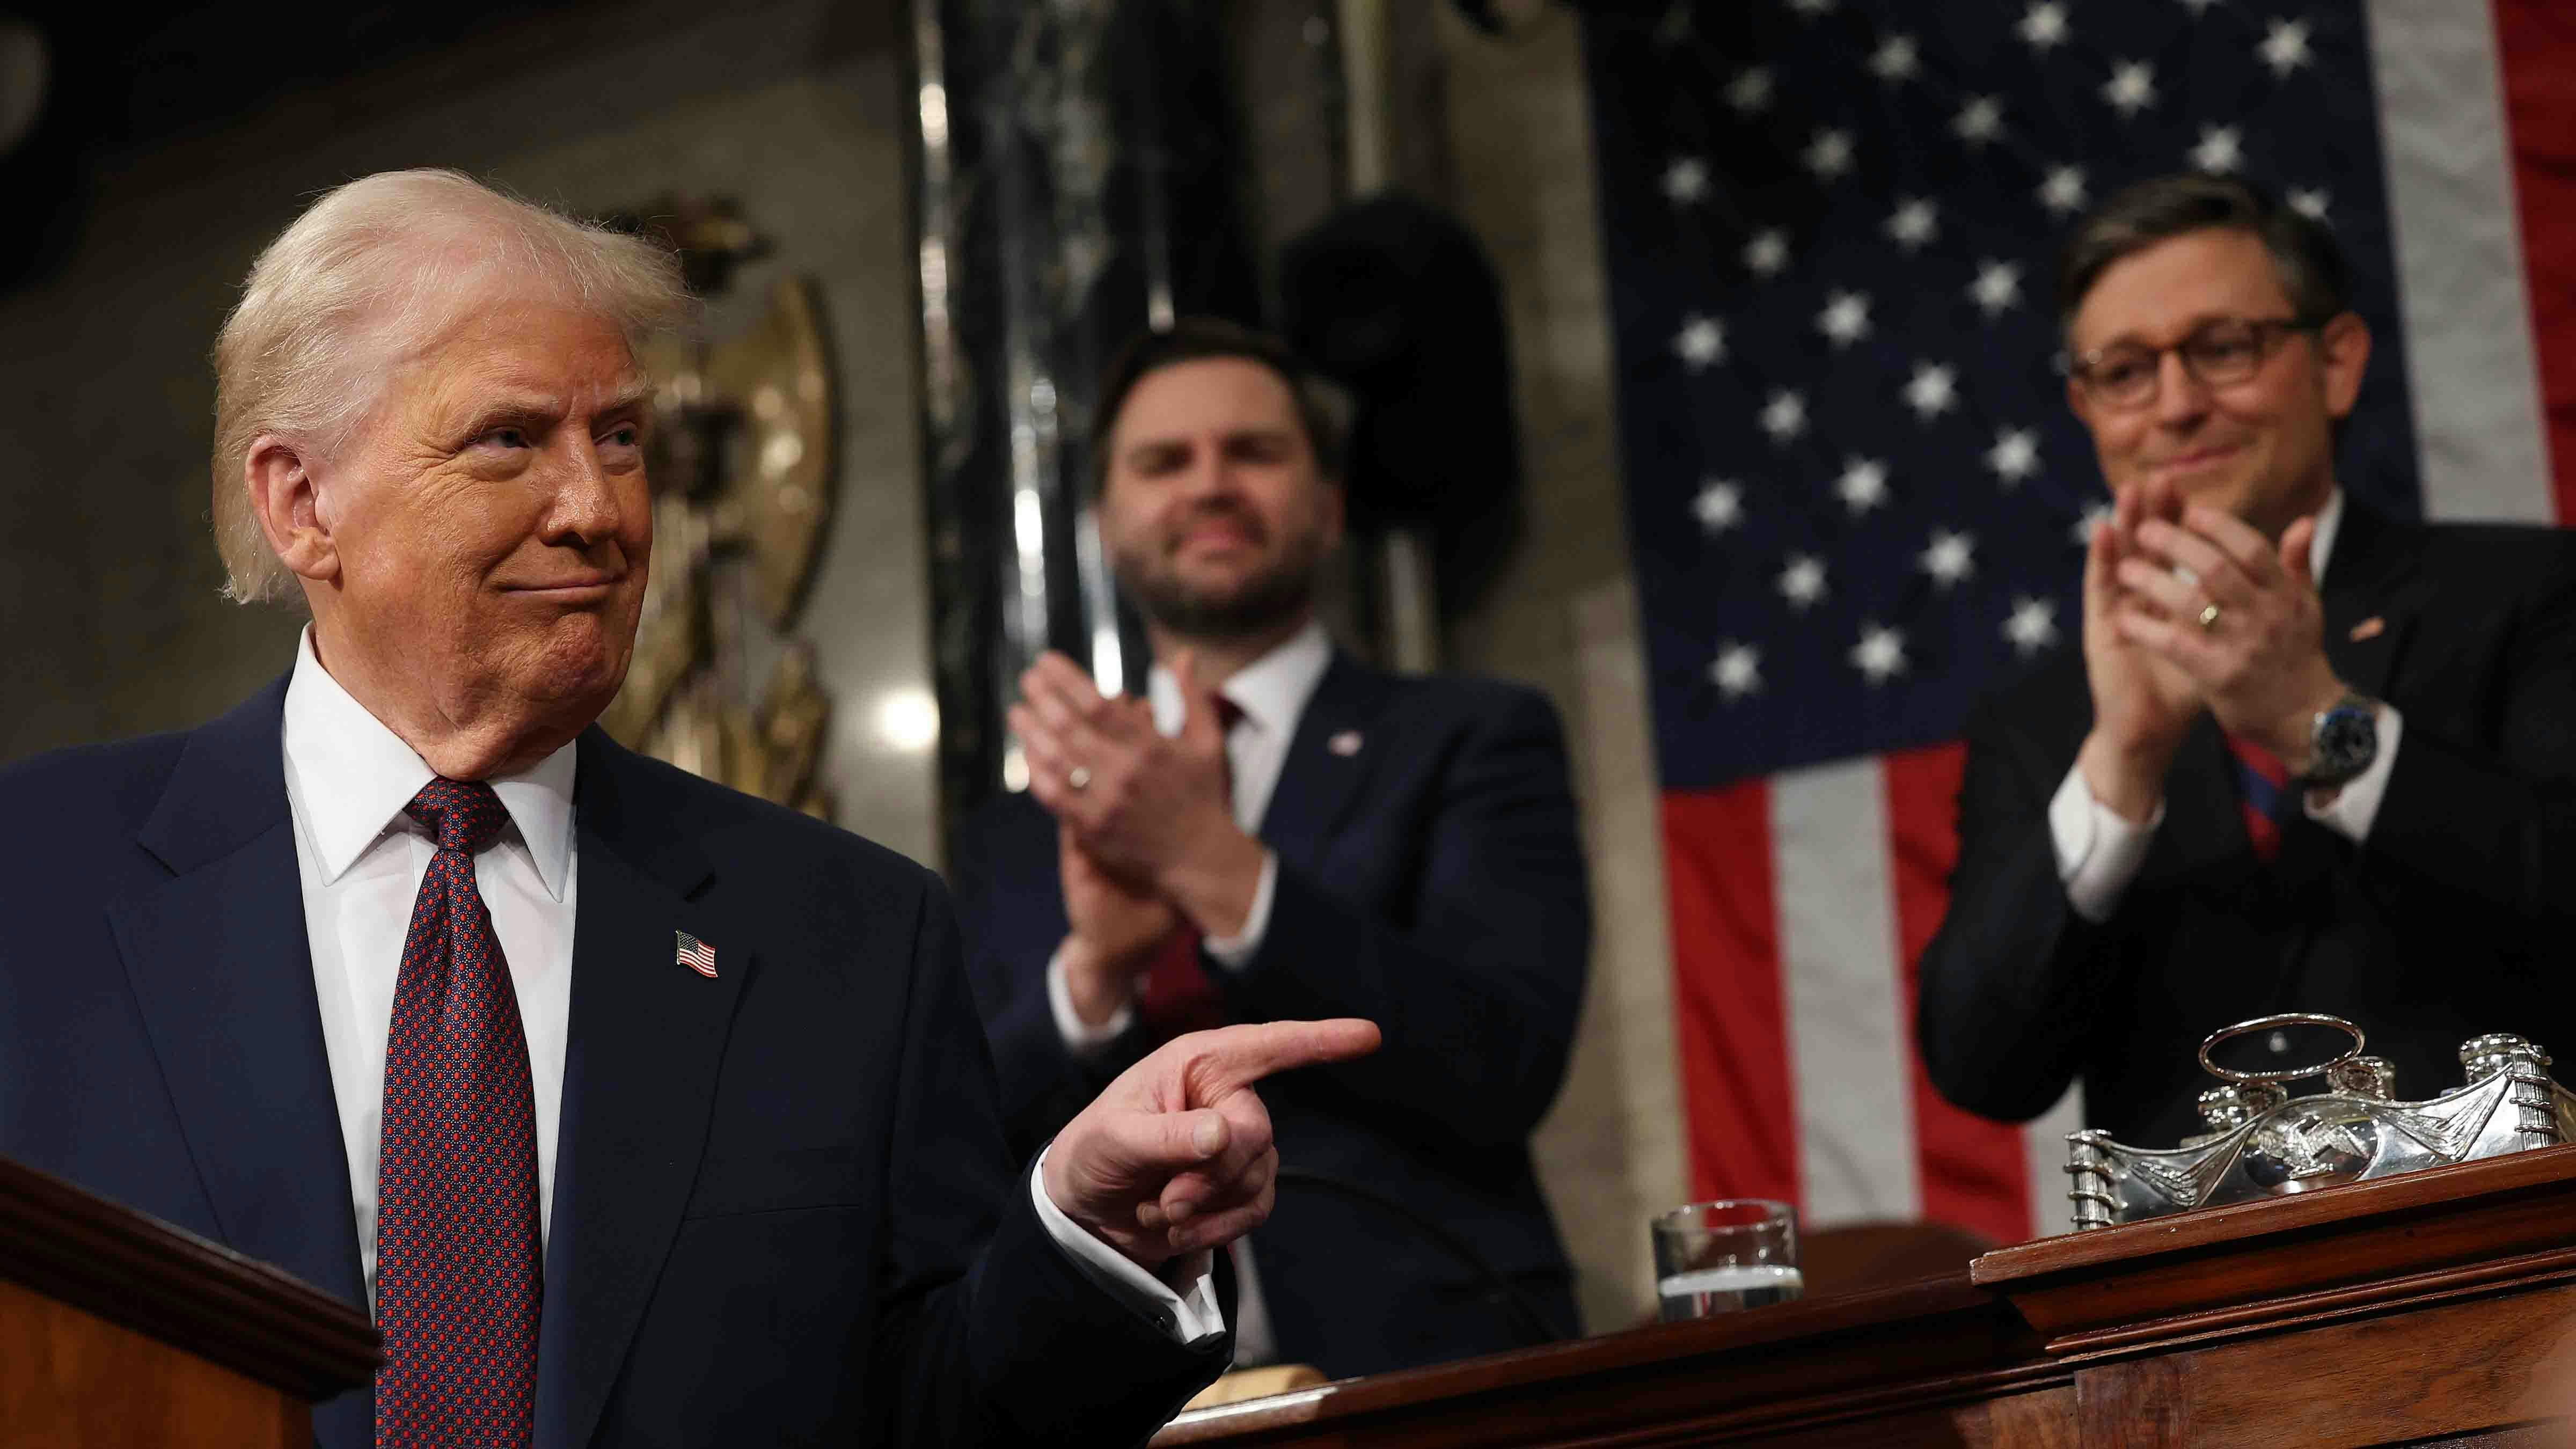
[[459, 1264], [1178, 996], [2262, 793]]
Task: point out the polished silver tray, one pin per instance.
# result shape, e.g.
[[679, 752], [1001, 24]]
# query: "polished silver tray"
[[2264, 1143]]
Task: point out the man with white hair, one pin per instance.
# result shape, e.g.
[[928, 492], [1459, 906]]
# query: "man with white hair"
[[640, 1112]]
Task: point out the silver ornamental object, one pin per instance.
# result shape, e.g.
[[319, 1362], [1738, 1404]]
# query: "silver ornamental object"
[[2262, 1142]]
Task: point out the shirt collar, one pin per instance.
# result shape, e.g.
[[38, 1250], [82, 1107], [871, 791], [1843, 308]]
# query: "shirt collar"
[[2321, 547], [1271, 691], [353, 777]]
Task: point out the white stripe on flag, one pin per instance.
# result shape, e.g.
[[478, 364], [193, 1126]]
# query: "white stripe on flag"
[[2459, 262], [2044, 1144], [1847, 1054]]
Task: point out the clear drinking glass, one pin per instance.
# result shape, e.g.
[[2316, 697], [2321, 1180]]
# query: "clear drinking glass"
[[1714, 1257]]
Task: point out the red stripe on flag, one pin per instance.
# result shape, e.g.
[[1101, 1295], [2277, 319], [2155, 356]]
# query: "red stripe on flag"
[[2536, 40], [1730, 1018], [1974, 1172]]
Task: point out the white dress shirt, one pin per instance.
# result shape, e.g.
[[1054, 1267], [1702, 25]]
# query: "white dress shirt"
[[2099, 852], [1272, 692], [361, 859]]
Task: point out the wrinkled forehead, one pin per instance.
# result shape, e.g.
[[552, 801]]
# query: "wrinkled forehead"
[[2160, 293], [535, 354]]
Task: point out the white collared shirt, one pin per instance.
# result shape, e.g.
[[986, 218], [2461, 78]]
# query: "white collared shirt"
[[361, 859], [1272, 692], [2099, 853]]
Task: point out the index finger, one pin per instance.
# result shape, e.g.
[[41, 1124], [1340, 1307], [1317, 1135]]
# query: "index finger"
[[1237, 1056]]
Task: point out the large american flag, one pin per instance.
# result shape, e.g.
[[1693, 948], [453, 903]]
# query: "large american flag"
[[1856, 496]]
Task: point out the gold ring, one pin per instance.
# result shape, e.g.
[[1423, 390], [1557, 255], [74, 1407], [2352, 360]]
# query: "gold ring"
[[1078, 778], [2209, 617]]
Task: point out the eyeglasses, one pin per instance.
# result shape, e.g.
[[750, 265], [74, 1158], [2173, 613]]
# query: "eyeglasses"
[[2216, 354]]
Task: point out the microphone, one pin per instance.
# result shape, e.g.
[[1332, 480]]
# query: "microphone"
[[1498, 1287]]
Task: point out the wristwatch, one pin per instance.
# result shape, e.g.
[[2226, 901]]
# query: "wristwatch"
[[2342, 742]]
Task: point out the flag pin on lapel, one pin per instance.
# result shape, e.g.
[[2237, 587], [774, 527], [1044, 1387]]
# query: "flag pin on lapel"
[[697, 955], [1345, 744], [2369, 628]]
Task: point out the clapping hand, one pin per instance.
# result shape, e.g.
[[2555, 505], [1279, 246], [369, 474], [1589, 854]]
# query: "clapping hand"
[[1116, 927], [2210, 597], [2142, 703], [1151, 810]]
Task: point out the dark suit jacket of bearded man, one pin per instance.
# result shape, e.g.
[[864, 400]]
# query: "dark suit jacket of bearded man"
[[1430, 879], [784, 1212], [2451, 919]]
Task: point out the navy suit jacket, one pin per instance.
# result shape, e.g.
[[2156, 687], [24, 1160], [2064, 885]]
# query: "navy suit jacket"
[[1431, 880], [783, 1212], [2449, 921]]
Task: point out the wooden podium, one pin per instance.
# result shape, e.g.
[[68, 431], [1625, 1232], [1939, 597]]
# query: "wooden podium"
[[2433, 1309], [119, 1330]]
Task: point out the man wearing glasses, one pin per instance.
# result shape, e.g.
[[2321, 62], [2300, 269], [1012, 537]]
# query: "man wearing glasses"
[[2311, 758]]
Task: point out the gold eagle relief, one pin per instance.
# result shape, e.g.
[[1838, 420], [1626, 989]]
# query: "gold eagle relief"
[[742, 469]]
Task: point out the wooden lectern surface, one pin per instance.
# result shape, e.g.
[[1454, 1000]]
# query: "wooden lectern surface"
[[119, 1329], [2435, 1308]]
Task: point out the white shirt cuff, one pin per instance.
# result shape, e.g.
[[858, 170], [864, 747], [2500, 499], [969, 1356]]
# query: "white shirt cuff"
[[1191, 1320], [1080, 1037], [2353, 808], [1232, 952], [2098, 852]]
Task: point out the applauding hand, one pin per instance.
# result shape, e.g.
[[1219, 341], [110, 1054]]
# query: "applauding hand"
[[2238, 615]]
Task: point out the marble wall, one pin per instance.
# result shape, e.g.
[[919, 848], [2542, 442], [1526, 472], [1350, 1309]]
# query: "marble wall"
[[1563, 616], [1497, 129], [109, 620]]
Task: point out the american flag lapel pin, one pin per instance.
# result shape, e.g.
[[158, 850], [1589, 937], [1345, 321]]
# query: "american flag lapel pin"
[[697, 955], [1345, 744], [2370, 628]]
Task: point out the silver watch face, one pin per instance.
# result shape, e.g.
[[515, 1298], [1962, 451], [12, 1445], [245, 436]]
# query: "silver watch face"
[[2347, 738]]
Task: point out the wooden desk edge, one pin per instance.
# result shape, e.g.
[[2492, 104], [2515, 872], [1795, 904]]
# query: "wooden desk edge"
[[2219, 1228], [114, 1263], [1987, 1295]]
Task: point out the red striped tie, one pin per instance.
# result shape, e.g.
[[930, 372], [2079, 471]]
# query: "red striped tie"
[[2262, 793], [459, 1262], [1178, 996]]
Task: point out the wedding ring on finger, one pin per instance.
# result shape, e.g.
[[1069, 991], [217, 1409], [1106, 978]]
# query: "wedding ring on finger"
[[1078, 778], [2209, 618]]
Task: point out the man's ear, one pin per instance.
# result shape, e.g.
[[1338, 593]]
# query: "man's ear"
[[283, 498], [1336, 505], [2343, 351]]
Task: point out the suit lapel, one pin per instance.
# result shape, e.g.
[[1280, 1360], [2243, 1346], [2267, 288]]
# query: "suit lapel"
[[223, 976], [2369, 591], [1328, 757], [646, 1038]]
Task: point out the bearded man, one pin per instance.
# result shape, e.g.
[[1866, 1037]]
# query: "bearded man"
[[639, 1112], [1278, 831]]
